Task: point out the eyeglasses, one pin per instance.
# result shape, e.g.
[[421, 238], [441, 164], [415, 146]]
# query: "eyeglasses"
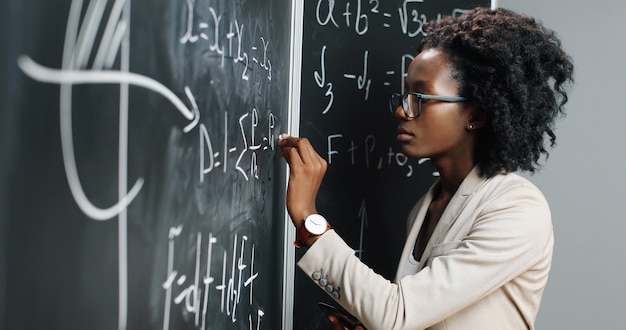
[[413, 107]]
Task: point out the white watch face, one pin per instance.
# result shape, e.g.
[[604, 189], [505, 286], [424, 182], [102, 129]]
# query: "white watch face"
[[315, 224]]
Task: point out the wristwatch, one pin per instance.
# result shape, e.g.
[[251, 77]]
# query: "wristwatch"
[[314, 225]]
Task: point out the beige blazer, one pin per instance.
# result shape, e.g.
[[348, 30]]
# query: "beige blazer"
[[485, 266]]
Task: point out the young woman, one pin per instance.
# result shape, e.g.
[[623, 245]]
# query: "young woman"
[[482, 97]]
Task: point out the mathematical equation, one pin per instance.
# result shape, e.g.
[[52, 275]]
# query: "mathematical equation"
[[229, 44], [363, 80], [193, 293], [249, 144], [410, 21], [402, 19], [367, 153], [100, 59], [357, 15]]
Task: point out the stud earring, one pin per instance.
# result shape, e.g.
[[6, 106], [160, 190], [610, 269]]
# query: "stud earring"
[[470, 126]]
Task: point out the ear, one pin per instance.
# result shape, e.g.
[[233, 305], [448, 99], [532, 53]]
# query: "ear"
[[477, 118]]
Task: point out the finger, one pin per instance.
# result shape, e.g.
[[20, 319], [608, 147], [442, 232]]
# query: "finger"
[[283, 136], [337, 325], [303, 145], [306, 154], [285, 153], [286, 140], [287, 146]]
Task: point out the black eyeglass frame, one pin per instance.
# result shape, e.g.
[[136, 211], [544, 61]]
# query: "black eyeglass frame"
[[398, 99]]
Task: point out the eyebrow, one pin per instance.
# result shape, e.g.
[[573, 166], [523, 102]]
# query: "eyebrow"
[[416, 85]]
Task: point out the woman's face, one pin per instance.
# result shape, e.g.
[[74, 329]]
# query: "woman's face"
[[441, 128]]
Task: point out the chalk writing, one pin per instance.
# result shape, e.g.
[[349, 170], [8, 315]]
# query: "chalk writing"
[[329, 16], [249, 126], [256, 135], [367, 154], [195, 295], [362, 81], [356, 18], [320, 79], [411, 15], [217, 41], [356, 14], [411, 23]]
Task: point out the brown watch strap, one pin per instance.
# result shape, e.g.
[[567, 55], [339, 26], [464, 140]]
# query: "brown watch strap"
[[304, 234]]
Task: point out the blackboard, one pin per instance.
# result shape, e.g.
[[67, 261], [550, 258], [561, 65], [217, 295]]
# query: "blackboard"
[[355, 54], [140, 186]]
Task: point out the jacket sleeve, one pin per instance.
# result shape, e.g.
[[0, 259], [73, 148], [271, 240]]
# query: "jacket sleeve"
[[508, 234]]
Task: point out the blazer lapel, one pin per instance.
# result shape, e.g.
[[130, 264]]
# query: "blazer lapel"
[[417, 215], [452, 211]]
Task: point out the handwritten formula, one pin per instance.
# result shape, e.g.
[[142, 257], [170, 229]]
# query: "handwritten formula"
[[193, 291], [229, 142], [354, 19]]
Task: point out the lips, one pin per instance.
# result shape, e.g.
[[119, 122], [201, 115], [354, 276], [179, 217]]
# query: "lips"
[[404, 135]]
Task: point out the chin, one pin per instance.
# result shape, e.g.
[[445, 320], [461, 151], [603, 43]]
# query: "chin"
[[411, 152]]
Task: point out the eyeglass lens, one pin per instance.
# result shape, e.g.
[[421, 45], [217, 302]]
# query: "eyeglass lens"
[[409, 107]]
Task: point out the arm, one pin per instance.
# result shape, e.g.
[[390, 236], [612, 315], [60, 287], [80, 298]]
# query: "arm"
[[306, 171], [506, 237]]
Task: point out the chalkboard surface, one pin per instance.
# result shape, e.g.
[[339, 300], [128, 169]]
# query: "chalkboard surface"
[[355, 54], [140, 183]]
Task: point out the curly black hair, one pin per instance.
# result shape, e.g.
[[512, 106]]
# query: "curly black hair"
[[516, 74]]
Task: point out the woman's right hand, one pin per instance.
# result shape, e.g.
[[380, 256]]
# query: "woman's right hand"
[[307, 169]]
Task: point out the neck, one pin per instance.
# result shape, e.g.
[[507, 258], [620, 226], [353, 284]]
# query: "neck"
[[451, 178]]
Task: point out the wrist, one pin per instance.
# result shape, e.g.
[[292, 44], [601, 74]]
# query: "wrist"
[[311, 228], [299, 218], [313, 238]]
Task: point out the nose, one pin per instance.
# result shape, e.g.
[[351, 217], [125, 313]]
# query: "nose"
[[400, 113]]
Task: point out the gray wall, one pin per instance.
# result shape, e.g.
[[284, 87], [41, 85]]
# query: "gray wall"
[[584, 179]]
